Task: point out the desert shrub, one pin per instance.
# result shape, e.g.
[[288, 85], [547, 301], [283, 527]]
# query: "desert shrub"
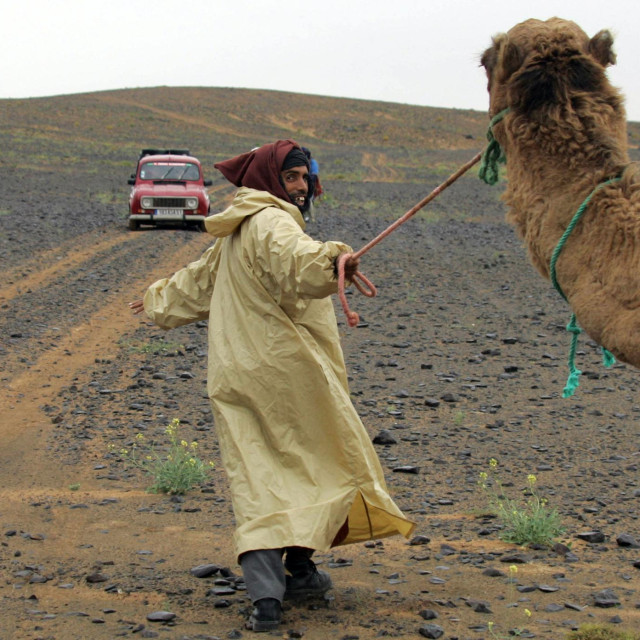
[[174, 470], [600, 632], [525, 522]]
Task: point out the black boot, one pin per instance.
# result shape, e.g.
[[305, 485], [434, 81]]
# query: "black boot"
[[266, 615], [305, 579]]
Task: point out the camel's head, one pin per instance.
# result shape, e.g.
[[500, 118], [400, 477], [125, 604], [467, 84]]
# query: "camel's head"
[[540, 63]]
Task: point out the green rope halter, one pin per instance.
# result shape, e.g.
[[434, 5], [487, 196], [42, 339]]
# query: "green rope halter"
[[608, 359], [493, 155]]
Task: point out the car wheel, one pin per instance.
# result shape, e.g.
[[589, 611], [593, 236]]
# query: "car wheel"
[[134, 225]]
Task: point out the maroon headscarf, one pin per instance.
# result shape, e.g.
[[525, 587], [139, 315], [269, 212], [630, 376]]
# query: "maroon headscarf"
[[260, 168]]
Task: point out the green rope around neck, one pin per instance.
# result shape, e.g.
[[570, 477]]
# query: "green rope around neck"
[[493, 155], [574, 373]]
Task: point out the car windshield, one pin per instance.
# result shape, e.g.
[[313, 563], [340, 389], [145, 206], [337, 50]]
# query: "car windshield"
[[169, 171]]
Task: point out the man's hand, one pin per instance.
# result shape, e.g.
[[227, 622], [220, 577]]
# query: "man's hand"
[[350, 268], [137, 306]]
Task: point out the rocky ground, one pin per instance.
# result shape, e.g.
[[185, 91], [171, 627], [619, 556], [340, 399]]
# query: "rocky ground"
[[461, 358]]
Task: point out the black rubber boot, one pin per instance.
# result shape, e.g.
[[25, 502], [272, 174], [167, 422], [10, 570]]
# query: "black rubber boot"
[[266, 615]]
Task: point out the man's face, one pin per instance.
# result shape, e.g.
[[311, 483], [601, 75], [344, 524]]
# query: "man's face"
[[296, 184]]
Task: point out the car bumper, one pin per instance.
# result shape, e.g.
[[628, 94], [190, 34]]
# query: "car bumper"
[[178, 217]]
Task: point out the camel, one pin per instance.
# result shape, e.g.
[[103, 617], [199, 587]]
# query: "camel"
[[562, 129]]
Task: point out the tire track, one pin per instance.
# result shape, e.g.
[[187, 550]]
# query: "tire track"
[[59, 260], [36, 319], [238, 132], [25, 426]]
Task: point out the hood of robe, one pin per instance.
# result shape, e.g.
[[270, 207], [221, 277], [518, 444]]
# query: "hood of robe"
[[247, 202]]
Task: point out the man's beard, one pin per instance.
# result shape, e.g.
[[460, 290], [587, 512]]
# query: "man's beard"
[[304, 208]]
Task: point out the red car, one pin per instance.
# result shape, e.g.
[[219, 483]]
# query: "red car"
[[168, 187]]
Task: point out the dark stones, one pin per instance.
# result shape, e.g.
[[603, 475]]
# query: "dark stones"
[[385, 437], [526, 588], [561, 549], [626, 540], [94, 578], [479, 606], [593, 537], [516, 558], [221, 592], [431, 631], [546, 588], [406, 469], [161, 616], [606, 598], [205, 570], [339, 563], [428, 614], [447, 550]]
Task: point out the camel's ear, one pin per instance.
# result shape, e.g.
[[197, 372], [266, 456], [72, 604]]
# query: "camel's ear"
[[502, 59], [511, 59], [488, 59], [601, 48]]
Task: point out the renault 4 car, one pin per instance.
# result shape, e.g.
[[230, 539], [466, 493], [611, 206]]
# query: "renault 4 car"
[[168, 188]]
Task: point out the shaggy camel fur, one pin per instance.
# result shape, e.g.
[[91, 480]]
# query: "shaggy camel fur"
[[564, 134]]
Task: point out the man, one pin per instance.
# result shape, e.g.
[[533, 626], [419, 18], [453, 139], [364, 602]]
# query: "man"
[[303, 473]]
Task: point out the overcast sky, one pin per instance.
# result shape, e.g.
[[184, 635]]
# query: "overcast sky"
[[422, 52]]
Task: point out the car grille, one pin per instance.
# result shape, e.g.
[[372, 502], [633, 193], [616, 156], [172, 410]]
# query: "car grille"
[[169, 203]]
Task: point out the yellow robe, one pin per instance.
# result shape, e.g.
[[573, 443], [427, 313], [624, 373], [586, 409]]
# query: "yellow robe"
[[299, 460]]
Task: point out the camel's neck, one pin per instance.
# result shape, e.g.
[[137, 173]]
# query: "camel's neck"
[[560, 154], [552, 166]]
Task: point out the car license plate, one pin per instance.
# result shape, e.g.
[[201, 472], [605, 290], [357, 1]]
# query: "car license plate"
[[168, 213]]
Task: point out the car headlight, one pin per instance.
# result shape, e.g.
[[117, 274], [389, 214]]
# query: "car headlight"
[[192, 203], [146, 203]]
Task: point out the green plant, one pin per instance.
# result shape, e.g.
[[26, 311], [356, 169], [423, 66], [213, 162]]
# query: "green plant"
[[176, 470], [515, 631], [600, 632], [512, 633], [531, 522]]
